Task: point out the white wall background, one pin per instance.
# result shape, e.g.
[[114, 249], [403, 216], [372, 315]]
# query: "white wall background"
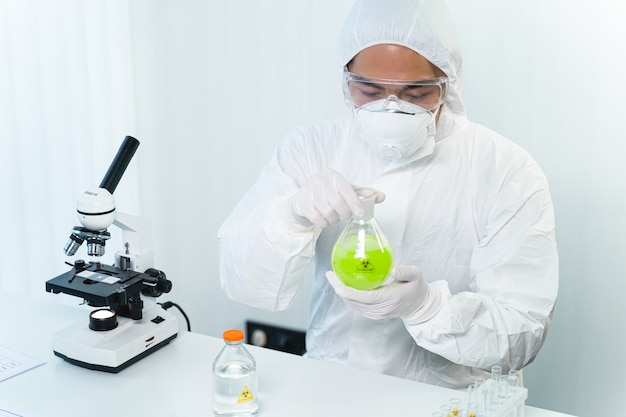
[[210, 87], [217, 86], [547, 74]]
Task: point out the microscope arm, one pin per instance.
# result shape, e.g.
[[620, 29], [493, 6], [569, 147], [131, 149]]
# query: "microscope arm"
[[137, 254]]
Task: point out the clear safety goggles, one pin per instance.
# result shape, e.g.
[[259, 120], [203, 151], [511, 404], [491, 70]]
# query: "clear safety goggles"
[[427, 94]]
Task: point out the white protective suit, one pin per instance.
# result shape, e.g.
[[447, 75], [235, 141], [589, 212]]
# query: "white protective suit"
[[471, 209]]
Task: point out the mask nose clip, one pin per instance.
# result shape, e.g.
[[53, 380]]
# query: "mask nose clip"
[[392, 105], [392, 100]]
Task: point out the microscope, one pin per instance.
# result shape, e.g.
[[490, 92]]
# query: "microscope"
[[122, 329]]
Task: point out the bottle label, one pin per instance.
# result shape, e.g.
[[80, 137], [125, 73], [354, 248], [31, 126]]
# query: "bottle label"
[[245, 395]]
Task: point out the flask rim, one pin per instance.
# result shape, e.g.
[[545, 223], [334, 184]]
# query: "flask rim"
[[367, 196], [365, 192]]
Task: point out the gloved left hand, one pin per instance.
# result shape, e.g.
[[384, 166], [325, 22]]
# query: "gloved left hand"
[[408, 296]]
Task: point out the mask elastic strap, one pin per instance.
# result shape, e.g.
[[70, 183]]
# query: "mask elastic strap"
[[432, 127]]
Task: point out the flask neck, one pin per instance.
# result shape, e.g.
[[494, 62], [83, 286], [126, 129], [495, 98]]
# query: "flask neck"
[[368, 200]]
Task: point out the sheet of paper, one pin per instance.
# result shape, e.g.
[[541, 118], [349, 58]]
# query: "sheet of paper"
[[13, 362]]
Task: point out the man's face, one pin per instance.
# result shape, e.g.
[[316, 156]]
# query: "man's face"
[[394, 62]]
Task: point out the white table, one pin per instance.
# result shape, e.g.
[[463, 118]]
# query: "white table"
[[176, 380]]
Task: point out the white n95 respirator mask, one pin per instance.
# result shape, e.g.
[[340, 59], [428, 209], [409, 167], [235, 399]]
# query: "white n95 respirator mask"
[[396, 129]]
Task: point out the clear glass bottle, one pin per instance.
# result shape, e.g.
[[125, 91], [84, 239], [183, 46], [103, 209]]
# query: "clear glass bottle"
[[235, 382], [362, 256]]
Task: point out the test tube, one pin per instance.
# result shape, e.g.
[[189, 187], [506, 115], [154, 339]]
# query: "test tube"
[[472, 398], [513, 384], [496, 373], [513, 378], [487, 400], [496, 379]]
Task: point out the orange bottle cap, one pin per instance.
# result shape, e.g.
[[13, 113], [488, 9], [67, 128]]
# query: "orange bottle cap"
[[232, 335]]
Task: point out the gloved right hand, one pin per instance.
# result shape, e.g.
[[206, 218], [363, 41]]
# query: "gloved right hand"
[[326, 198], [407, 296]]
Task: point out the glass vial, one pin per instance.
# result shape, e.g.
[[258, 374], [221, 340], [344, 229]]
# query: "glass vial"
[[235, 382], [362, 256]]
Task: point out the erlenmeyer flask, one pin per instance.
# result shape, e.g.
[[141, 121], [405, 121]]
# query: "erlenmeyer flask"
[[362, 256]]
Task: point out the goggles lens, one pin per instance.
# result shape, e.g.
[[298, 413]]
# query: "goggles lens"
[[427, 94]]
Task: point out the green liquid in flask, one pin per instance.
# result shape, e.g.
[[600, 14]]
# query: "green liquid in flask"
[[362, 269]]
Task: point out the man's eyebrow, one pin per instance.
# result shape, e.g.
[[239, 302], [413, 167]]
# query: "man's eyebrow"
[[370, 84]]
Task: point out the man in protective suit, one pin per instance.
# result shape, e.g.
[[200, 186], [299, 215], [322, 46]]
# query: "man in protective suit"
[[467, 212]]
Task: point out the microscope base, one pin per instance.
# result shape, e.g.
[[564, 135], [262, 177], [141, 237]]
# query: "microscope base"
[[114, 350]]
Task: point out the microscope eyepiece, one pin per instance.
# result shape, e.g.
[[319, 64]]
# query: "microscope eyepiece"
[[120, 163]]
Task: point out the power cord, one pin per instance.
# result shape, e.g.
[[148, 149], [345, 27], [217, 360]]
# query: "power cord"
[[169, 304]]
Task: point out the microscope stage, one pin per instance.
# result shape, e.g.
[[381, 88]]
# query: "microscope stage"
[[98, 284]]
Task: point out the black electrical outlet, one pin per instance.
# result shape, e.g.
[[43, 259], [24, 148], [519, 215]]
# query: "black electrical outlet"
[[277, 338]]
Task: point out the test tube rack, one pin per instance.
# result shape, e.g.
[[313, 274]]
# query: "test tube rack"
[[500, 396], [497, 399]]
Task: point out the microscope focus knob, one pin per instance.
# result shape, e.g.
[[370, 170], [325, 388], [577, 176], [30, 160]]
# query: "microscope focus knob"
[[163, 285]]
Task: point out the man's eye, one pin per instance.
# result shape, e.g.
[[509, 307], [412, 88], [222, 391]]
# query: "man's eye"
[[370, 93], [419, 93], [367, 91], [411, 97]]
